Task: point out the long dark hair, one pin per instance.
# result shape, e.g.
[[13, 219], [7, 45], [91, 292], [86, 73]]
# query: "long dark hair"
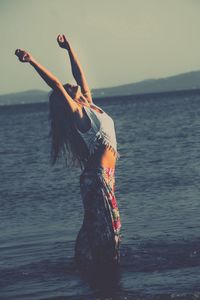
[[66, 142]]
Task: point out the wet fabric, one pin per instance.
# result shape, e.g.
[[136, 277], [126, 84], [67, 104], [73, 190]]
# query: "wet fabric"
[[98, 241]]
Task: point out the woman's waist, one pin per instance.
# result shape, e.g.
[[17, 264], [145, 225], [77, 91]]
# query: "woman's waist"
[[101, 161], [93, 171], [102, 157]]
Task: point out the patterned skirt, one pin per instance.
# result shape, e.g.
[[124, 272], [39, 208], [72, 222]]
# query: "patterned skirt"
[[97, 245]]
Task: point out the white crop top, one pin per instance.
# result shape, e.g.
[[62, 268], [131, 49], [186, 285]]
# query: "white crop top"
[[102, 131]]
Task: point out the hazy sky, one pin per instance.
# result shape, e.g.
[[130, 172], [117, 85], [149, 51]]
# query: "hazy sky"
[[117, 41]]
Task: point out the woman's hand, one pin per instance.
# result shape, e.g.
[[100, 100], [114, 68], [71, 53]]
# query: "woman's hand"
[[62, 41], [23, 55]]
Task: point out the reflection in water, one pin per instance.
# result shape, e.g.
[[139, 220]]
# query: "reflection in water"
[[104, 281]]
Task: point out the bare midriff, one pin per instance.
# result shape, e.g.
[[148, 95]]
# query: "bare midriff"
[[108, 159], [103, 157]]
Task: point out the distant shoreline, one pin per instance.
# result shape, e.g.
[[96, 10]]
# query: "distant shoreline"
[[133, 97], [153, 94]]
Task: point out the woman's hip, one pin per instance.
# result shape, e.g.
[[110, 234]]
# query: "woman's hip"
[[99, 201]]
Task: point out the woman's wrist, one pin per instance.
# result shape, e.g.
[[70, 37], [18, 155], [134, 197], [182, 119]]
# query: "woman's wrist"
[[68, 48], [32, 61]]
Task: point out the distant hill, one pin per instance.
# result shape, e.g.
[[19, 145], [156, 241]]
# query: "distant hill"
[[30, 96], [181, 82], [186, 81]]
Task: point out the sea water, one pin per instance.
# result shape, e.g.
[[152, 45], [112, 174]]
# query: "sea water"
[[157, 189]]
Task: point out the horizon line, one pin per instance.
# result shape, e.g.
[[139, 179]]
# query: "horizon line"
[[107, 87]]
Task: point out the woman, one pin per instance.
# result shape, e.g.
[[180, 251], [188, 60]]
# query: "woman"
[[83, 133]]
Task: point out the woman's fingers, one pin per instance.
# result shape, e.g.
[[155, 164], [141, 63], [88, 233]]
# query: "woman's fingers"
[[25, 57], [62, 41], [60, 38], [64, 38], [18, 52], [22, 55]]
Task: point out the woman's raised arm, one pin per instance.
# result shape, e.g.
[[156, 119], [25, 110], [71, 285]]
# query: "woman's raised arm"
[[76, 67], [47, 76]]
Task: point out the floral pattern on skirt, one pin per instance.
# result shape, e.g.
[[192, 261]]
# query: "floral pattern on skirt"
[[98, 241]]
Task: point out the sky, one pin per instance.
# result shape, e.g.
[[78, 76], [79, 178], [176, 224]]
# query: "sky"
[[117, 42]]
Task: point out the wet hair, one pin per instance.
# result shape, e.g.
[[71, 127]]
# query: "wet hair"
[[66, 142]]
